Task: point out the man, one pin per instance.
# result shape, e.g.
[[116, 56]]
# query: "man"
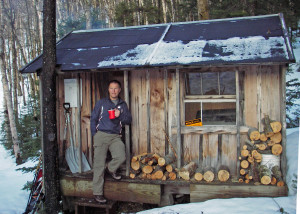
[[107, 136]]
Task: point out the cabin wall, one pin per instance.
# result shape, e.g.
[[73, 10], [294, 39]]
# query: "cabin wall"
[[153, 106], [153, 103]]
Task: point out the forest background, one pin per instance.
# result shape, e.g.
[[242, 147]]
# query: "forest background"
[[21, 41]]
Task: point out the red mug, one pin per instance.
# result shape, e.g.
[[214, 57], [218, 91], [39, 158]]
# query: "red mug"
[[111, 114]]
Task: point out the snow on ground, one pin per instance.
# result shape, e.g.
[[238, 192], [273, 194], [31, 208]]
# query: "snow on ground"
[[262, 205], [12, 198]]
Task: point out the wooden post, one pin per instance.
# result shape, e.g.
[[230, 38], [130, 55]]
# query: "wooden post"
[[238, 137], [283, 119], [49, 133], [148, 110], [79, 124], [179, 149], [127, 131]]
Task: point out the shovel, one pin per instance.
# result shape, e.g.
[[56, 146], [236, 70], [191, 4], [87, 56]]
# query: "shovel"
[[72, 152]]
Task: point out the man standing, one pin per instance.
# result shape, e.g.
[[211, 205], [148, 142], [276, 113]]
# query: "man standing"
[[107, 119]]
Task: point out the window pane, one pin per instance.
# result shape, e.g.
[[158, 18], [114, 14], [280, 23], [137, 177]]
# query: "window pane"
[[212, 113], [218, 114], [193, 84], [210, 83], [192, 111], [227, 83]]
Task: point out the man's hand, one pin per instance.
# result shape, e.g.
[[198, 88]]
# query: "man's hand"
[[117, 112]]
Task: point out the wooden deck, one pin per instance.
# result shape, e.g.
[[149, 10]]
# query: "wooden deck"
[[162, 192]]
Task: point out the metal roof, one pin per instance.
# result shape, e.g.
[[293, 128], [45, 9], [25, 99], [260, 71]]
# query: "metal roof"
[[245, 40]]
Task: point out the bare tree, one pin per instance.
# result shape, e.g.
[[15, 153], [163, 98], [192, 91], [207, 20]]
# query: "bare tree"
[[8, 96]]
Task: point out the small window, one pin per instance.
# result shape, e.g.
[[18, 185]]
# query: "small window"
[[211, 96]]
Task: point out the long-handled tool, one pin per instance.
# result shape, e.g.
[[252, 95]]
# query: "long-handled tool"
[[72, 152]]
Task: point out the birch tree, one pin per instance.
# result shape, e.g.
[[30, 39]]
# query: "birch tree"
[[7, 94]]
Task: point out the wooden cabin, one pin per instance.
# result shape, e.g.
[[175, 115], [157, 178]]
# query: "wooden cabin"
[[230, 73]]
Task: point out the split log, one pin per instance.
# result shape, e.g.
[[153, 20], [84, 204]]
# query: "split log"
[[276, 138], [278, 175], [138, 157], [172, 176], [247, 181], [134, 173], [223, 173], [253, 133], [256, 155], [265, 174], [263, 137], [248, 177], [243, 171], [146, 169], [276, 126], [273, 180], [171, 167], [270, 143], [261, 146], [156, 156], [142, 176], [170, 158], [244, 152], [187, 171], [276, 149], [250, 144], [244, 164], [152, 162], [209, 174], [198, 174], [250, 159], [241, 179], [146, 158], [135, 165], [267, 127], [158, 172]]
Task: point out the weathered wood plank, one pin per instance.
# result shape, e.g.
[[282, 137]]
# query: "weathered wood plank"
[[178, 111], [191, 144], [229, 153], [157, 113], [127, 130], [139, 128], [270, 95], [113, 190], [202, 192], [210, 150], [250, 89], [171, 108]]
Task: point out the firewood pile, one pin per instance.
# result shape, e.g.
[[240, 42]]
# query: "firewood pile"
[[258, 144], [153, 167]]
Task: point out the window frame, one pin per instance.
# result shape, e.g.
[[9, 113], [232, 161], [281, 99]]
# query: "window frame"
[[213, 98]]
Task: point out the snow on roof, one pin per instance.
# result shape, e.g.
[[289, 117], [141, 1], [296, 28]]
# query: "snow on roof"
[[258, 39]]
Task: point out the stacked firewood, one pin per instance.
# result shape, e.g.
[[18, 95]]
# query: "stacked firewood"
[[154, 167], [266, 142]]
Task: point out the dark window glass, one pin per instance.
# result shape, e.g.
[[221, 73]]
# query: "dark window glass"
[[227, 83]]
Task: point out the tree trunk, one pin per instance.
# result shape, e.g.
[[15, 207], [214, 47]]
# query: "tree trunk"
[[203, 12], [7, 94], [168, 159], [49, 133]]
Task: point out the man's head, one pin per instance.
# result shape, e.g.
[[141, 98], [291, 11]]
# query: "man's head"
[[114, 89]]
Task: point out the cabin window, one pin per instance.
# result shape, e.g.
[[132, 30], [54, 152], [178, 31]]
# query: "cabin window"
[[211, 96]]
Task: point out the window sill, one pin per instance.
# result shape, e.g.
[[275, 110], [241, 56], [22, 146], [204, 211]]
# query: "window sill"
[[218, 129]]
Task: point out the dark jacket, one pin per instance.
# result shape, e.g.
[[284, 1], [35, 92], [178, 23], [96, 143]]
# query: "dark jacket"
[[100, 119]]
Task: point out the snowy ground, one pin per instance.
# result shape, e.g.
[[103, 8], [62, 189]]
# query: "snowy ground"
[[261, 205]]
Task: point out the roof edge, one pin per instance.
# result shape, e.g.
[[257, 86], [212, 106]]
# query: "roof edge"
[[176, 23]]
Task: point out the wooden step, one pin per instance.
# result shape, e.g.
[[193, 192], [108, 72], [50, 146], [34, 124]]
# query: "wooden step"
[[90, 202]]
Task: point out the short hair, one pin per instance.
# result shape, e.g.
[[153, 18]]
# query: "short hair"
[[115, 81]]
